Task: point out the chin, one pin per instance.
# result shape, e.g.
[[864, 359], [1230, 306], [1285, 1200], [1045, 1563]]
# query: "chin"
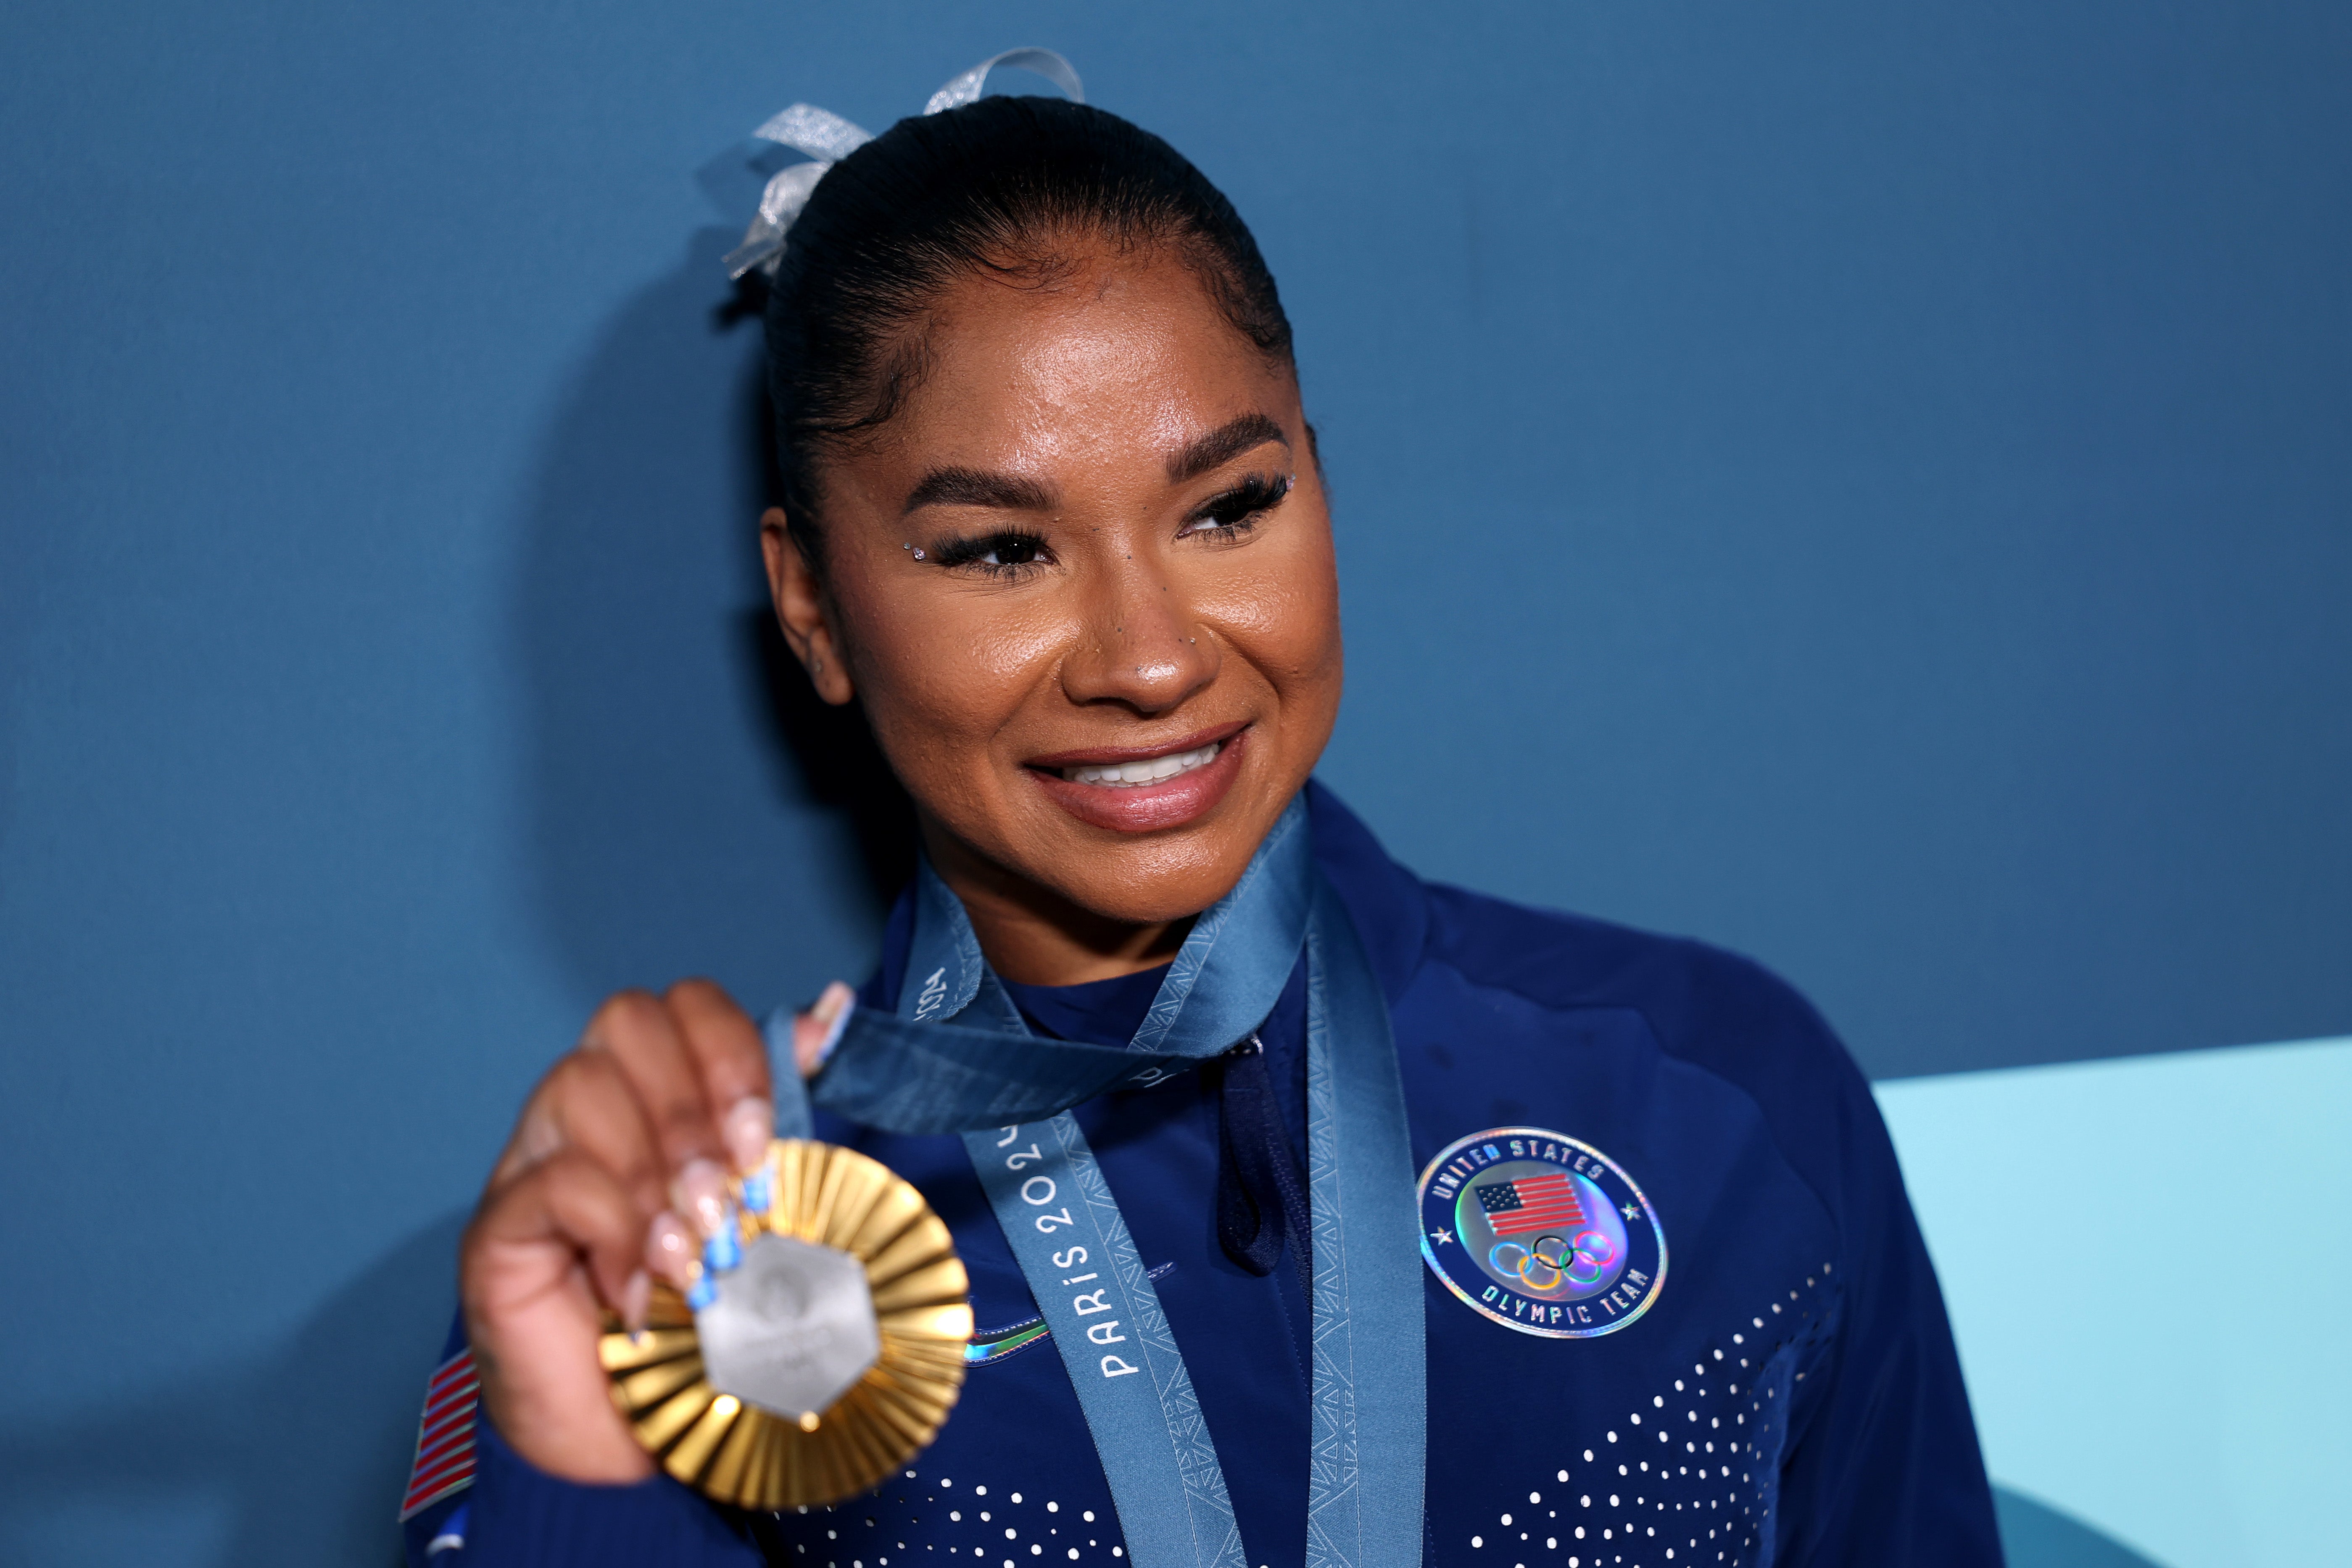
[[1146, 879], [1155, 894]]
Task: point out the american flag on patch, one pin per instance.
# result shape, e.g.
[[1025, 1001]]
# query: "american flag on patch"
[[445, 1437], [1531, 1203]]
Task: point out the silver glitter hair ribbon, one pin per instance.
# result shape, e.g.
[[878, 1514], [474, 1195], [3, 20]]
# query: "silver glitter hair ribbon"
[[827, 139]]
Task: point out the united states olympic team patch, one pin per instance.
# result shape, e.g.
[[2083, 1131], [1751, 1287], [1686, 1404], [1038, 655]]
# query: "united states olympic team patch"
[[1541, 1233]]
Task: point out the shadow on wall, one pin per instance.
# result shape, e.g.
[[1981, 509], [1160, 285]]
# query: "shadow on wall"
[[297, 1458], [694, 808], [2035, 1535]]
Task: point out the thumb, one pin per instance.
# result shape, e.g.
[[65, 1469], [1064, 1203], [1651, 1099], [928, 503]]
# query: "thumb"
[[815, 1032]]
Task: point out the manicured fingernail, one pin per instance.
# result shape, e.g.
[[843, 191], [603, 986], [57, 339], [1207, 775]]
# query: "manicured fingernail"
[[541, 1137], [747, 1131], [808, 1037], [701, 1192], [702, 1293], [670, 1249], [840, 1001], [724, 1250], [818, 1030], [636, 1296]]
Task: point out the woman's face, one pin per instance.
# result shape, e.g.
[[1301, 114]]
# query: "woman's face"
[[1083, 583]]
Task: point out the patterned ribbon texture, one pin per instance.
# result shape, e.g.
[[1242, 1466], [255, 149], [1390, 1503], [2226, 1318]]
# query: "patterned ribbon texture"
[[827, 139]]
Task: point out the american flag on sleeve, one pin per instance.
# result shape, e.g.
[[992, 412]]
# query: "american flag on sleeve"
[[445, 1437]]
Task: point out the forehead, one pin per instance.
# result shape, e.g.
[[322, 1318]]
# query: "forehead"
[[1110, 355]]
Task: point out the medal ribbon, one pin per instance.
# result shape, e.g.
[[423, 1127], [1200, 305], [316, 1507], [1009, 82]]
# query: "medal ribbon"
[[958, 1058], [919, 1072]]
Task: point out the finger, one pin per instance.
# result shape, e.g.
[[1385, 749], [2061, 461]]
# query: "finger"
[[537, 1135], [586, 1102], [732, 1059], [571, 1201], [538, 1132], [571, 1085], [594, 1108], [814, 1031], [540, 1254], [672, 1250], [641, 1035]]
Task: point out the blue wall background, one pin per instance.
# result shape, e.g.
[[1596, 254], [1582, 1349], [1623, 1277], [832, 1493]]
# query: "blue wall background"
[[1866, 486]]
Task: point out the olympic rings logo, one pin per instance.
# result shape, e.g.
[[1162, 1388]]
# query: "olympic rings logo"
[[1581, 1259]]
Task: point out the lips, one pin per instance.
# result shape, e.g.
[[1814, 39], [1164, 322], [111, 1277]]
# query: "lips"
[[1130, 790]]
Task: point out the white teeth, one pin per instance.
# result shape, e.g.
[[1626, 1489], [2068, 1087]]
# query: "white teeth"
[[1151, 769]]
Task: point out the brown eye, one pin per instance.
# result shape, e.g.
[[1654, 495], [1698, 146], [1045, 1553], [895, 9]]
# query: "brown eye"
[[1007, 551], [1012, 550], [1239, 507]]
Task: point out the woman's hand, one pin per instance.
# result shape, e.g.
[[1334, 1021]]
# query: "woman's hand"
[[617, 1172]]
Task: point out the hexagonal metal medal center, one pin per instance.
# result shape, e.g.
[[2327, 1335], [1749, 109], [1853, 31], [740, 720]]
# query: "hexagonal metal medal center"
[[792, 1327]]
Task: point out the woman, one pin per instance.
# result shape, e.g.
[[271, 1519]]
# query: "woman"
[[1380, 1175]]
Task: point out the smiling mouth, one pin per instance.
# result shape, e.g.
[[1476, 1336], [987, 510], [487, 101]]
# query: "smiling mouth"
[[1146, 770], [1132, 789]]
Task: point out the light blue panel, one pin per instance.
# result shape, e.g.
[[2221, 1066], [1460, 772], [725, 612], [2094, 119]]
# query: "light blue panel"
[[2147, 1265]]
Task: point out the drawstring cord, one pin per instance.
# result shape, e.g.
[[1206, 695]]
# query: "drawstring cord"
[[1261, 1189]]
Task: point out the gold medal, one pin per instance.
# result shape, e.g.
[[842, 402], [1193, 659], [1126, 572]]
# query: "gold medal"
[[823, 1353]]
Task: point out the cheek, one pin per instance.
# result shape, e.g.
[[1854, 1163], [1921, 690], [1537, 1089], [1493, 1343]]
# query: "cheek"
[[1283, 616], [939, 683]]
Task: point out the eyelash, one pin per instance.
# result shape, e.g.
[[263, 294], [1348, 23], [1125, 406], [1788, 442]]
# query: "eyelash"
[[1224, 517], [976, 549], [1235, 512]]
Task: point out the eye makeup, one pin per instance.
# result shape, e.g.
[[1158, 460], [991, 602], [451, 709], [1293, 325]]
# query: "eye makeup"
[[1014, 552], [1004, 551], [1237, 511]]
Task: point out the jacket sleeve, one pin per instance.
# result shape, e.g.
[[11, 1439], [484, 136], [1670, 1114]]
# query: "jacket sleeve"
[[472, 1501], [1884, 1466], [521, 1516]]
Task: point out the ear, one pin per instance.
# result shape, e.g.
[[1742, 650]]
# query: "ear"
[[802, 609]]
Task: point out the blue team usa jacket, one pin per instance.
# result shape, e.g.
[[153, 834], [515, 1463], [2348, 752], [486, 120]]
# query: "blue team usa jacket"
[[1678, 1311]]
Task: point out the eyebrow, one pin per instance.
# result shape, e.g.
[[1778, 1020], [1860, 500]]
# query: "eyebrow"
[[1018, 492], [979, 487], [1221, 445]]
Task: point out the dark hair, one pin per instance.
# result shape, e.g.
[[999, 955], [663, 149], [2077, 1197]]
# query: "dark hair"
[[997, 187]]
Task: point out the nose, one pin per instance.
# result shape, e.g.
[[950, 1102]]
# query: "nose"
[[1136, 645]]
